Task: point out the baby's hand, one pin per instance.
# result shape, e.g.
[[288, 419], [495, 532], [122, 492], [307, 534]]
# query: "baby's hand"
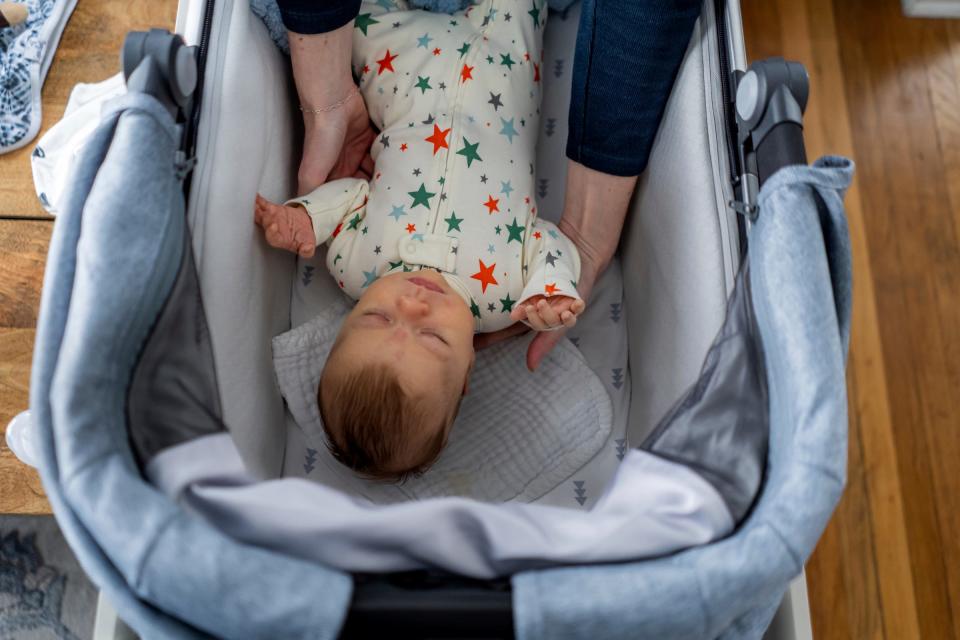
[[546, 313], [285, 227]]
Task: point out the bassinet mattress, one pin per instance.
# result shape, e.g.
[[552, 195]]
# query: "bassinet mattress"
[[600, 334]]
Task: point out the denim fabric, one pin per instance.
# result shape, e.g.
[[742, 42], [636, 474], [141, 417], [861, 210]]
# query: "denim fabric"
[[98, 306], [313, 16], [799, 253], [628, 54]]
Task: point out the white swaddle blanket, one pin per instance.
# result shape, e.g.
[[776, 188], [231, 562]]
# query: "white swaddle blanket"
[[517, 436]]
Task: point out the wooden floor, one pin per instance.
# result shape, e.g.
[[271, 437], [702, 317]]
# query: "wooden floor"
[[885, 90]]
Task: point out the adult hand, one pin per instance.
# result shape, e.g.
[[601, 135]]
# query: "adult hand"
[[336, 142]]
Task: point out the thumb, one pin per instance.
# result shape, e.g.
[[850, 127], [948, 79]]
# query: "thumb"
[[542, 344]]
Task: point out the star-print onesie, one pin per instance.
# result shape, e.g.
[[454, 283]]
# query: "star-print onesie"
[[457, 101]]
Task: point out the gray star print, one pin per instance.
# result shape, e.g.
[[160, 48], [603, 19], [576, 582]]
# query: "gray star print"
[[495, 101], [551, 258]]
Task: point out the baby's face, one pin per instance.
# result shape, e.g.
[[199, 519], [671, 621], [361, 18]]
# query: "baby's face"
[[415, 323]]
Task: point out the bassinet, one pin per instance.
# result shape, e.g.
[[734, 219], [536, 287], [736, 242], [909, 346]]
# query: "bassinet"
[[120, 254]]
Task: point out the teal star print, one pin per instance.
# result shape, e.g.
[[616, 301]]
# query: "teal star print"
[[474, 308], [469, 151], [370, 277], [508, 129], [535, 14], [424, 41], [506, 61], [363, 21], [421, 197], [463, 50], [453, 222], [423, 84], [507, 304], [515, 231], [354, 222]]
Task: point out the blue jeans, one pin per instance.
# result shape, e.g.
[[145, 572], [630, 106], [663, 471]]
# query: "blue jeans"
[[627, 57]]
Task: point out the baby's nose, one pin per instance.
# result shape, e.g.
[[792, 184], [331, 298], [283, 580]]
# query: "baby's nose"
[[413, 306]]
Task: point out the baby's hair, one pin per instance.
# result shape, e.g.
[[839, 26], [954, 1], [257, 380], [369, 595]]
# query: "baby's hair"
[[369, 419]]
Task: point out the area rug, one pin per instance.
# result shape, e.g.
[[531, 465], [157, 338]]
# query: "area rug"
[[44, 594]]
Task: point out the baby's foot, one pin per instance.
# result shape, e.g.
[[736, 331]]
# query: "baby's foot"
[[285, 227]]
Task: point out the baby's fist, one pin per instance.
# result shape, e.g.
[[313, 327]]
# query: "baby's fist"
[[548, 313], [285, 227]]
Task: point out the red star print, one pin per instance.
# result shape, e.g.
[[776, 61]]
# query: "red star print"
[[337, 230], [536, 72], [340, 282], [465, 73], [526, 56], [403, 147], [436, 51], [386, 62], [485, 275], [492, 204], [550, 289], [527, 200], [439, 139], [411, 228], [536, 234], [378, 175], [366, 69]]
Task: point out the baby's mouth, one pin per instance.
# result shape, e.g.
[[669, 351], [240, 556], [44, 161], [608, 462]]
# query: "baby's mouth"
[[426, 284]]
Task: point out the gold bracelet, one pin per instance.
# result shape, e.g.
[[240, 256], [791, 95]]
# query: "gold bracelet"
[[336, 105]]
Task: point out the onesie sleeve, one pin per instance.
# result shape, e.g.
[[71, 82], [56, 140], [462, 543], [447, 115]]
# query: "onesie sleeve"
[[334, 203], [551, 263]]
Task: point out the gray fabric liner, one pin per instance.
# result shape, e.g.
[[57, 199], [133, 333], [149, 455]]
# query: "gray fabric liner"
[[173, 394], [729, 398]]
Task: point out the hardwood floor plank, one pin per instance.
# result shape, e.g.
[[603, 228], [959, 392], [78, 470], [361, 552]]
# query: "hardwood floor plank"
[[914, 260], [22, 491], [89, 51], [23, 247], [828, 130]]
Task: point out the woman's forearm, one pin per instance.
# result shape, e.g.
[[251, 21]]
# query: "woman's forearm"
[[321, 66], [594, 210]]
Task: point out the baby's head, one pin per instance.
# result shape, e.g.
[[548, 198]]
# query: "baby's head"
[[392, 384]]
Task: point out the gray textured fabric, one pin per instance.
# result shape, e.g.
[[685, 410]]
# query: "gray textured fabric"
[[517, 436], [173, 395], [720, 426]]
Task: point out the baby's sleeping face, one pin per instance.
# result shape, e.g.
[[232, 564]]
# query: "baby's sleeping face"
[[393, 382]]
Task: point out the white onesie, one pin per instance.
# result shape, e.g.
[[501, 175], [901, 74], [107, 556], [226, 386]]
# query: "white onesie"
[[457, 100]]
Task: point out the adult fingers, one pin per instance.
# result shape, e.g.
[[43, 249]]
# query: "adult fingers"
[[541, 345]]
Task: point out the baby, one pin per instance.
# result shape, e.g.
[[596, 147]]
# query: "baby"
[[444, 241]]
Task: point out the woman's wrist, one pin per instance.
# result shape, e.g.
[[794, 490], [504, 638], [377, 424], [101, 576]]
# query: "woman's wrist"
[[321, 66], [594, 211]]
